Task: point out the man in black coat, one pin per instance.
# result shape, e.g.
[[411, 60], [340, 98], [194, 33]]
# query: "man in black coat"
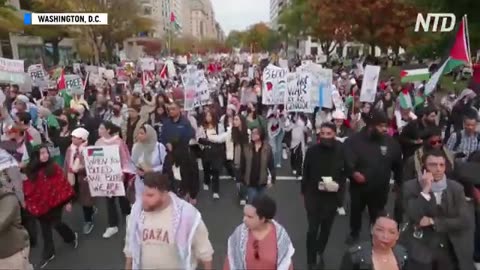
[[323, 174], [371, 157]]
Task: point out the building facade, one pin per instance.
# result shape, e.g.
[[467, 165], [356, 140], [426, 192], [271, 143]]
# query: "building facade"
[[276, 7], [202, 20]]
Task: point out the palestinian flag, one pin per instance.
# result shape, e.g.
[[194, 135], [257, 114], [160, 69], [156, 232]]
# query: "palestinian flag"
[[459, 55], [414, 75]]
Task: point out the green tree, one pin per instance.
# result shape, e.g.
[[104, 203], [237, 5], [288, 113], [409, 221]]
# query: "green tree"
[[9, 19], [235, 39], [52, 34], [123, 22]]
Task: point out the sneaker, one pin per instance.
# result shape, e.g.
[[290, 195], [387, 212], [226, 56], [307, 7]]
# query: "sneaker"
[[294, 172], [279, 166], [111, 231], [477, 266], [243, 202], [284, 154], [216, 196], [87, 227], [205, 187], [44, 262], [299, 177], [341, 211], [75, 241]]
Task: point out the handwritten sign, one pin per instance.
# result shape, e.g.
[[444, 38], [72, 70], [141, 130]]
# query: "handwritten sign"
[[274, 85], [147, 64], [369, 84], [297, 97], [104, 171], [189, 88], [38, 75], [74, 85]]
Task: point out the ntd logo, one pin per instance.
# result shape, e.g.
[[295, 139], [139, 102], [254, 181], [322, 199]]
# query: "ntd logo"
[[448, 22]]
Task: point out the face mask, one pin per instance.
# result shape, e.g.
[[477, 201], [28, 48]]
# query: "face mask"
[[327, 142]]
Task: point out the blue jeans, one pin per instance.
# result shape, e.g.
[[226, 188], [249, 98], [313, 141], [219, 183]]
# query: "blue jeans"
[[277, 146], [253, 192]]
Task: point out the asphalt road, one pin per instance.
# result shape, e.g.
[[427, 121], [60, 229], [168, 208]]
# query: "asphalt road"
[[221, 217]]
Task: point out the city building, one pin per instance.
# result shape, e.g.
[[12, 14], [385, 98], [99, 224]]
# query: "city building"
[[220, 32], [276, 7], [32, 49], [202, 20]]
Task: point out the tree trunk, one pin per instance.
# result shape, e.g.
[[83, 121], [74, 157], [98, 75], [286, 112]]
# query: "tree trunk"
[[372, 48], [56, 52]]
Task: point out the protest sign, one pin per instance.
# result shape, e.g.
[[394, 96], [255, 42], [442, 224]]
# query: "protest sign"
[[74, 85], [251, 73], [147, 64], [104, 171], [189, 88], [76, 68], [238, 69], [38, 75], [297, 96], [283, 63], [323, 82], [91, 69], [202, 90], [369, 84], [274, 85], [12, 71]]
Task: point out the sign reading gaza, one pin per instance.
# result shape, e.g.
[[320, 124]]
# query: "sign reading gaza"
[[448, 22]]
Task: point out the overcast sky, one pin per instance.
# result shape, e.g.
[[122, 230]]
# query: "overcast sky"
[[240, 14]]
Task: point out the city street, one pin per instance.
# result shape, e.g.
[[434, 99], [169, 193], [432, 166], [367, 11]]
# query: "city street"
[[221, 217]]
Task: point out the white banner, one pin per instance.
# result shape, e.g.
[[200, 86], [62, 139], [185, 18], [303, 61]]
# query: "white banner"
[[369, 84], [238, 69], [189, 88], [104, 171], [202, 89], [147, 64], [274, 85], [10, 65], [297, 96]]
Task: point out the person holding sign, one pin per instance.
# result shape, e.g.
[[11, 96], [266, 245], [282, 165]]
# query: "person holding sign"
[[109, 135]]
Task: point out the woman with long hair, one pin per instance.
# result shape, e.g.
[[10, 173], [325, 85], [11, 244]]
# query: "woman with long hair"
[[157, 117], [47, 192], [109, 135], [212, 156], [238, 136], [64, 138], [147, 155]]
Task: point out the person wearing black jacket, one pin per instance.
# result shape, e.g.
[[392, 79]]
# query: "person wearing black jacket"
[[411, 136], [371, 156], [323, 174]]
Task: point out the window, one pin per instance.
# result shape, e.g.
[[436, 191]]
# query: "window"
[[147, 11]]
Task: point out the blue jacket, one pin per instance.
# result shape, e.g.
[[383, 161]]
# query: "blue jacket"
[[177, 132]]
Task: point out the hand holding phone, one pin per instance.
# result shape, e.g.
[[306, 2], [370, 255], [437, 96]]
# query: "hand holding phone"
[[426, 181]]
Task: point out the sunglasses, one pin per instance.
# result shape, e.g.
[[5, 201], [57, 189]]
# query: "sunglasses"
[[255, 250], [436, 142]]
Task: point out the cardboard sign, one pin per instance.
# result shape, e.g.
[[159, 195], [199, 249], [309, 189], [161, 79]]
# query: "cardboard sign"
[[104, 171], [74, 85]]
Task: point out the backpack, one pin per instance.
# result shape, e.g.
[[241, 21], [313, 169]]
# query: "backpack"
[[458, 140]]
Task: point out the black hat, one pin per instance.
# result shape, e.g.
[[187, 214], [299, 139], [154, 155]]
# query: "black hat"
[[376, 117]]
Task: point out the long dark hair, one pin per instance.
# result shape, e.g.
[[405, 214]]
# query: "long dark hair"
[[214, 119], [35, 165], [240, 136]]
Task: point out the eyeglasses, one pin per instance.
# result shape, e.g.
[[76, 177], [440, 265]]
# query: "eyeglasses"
[[436, 142], [255, 250]]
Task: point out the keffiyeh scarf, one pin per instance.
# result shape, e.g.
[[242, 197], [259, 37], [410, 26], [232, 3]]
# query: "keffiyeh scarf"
[[237, 248], [185, 222]]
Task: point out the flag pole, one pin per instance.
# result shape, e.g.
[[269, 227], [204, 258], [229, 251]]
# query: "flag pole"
[[467, 40]]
